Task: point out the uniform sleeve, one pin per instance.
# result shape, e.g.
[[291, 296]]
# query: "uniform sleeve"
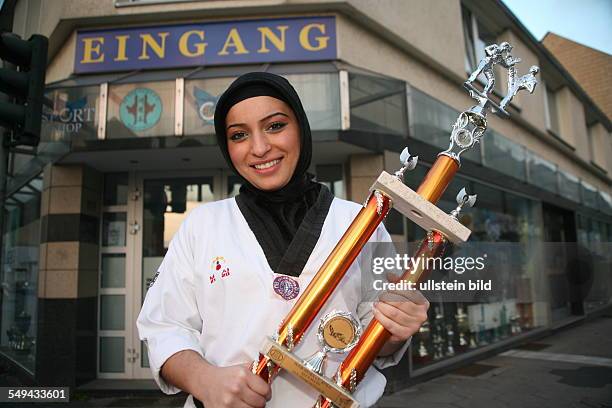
[[169, 320], [364, 309]]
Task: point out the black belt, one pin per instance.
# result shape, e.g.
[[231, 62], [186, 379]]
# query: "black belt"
[[197, 402]]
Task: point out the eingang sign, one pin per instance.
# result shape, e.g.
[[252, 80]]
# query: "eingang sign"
[[250, 41]]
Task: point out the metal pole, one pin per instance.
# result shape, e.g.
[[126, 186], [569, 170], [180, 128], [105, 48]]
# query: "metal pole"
[[4, 161], [7, 14]]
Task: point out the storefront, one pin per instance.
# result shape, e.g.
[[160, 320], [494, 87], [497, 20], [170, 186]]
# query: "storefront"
[[128, 150]]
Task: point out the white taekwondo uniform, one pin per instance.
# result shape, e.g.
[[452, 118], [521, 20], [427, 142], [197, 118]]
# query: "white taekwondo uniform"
[[214, 295]]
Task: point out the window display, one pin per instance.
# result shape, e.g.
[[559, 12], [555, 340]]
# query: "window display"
[[21, 240]]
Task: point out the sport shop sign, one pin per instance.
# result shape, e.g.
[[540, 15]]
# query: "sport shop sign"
[[220, 43]]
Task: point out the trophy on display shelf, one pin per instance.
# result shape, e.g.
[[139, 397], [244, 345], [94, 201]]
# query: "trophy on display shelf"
[[419, 206], [423, 336], [463, 326], [450, 339]]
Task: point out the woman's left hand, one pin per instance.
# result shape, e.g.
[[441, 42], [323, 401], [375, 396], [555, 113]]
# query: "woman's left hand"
[[402, 313]]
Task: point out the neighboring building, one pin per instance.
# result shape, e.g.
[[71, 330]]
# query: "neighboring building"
[[128, 149], [590, 68]]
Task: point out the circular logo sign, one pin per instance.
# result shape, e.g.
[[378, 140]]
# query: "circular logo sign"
[[286, 287], [207, 112], [141, 109]]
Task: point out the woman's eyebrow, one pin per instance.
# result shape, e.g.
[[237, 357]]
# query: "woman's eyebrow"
[[235, 125], [273, 114], [261, 120]]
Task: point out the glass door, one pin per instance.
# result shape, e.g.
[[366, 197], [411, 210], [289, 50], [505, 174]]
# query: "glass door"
[[166, 201], [114, 331]]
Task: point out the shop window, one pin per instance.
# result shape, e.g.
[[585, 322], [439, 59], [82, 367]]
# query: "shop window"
[[377, 105], [504, 155], [569, 186], [605, 202], [502, 223], [589, 195], [74, 115], [201, 97], [582, 232], [320, 96], [20, 268], [542, 173], [431, 121], [140, 110]]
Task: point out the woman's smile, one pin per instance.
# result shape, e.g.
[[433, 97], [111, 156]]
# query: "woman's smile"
[[267, 167]]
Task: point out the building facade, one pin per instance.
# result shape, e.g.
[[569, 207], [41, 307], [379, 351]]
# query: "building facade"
[[128, 150]]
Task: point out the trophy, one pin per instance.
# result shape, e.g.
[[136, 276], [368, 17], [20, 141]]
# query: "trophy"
[[461, 318], [423, 335], [515, 326], [450, 338], [419, 206]]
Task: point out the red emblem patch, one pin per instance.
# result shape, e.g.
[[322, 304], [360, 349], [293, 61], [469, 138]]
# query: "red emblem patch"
[[219, 265]]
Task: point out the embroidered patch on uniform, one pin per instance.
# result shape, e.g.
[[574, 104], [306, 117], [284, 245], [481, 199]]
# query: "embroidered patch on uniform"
[[218, 267], [286, 287]]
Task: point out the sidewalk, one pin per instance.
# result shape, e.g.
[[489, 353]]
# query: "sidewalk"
[[572, 368]]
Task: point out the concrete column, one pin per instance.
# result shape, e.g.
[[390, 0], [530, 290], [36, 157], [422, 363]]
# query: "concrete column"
[[363, 170], [68, 281]]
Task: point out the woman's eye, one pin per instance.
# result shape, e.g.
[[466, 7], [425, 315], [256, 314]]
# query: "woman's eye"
[[277, 126], [237, 136]]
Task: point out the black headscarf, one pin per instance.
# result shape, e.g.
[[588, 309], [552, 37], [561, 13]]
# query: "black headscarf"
[[286, 222]]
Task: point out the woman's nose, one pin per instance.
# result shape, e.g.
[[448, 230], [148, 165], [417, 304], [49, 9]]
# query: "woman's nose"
[[260, 145]]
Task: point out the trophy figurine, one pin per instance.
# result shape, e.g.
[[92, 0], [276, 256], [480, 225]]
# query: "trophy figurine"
[[419, 206]]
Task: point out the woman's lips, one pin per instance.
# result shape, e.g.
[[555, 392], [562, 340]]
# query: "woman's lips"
[[268, 167]]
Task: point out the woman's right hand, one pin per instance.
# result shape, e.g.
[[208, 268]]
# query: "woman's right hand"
[[232, 387]]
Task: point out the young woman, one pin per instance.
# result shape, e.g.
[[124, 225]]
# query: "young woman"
[[236, 266]]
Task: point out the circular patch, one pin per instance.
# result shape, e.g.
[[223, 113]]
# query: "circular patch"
[[141, 109], [286, 287]]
